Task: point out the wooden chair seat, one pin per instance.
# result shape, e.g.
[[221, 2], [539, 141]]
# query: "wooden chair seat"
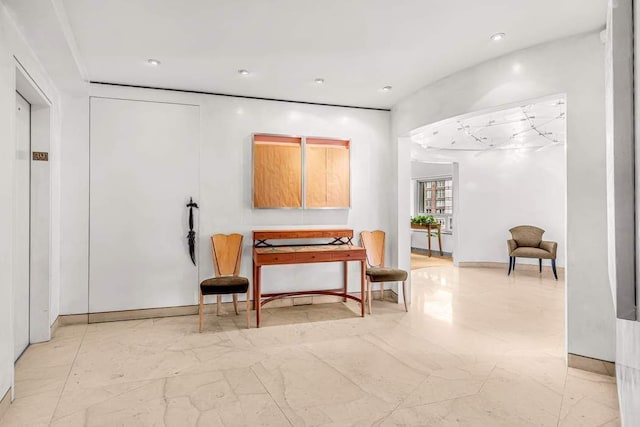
[[386, 274], [224, 285], [532, 253]]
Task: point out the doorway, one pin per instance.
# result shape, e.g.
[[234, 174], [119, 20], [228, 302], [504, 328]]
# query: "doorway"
[[510, 170], [22, 229], [31, 284], [432, 203]]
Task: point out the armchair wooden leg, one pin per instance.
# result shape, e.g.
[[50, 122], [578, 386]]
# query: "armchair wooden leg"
[[200, 312], [540, 264], [218, 303], [235, 303], [553, 267], [404, 295], [369, 294], [510, 265], [248, 310], [513, 268]]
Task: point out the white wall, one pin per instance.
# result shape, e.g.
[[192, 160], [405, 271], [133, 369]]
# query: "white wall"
[[425, 170], [574, 67], [74, 216], [225, 188], [7, 100], [628, 370], [623, 202], [13, 45]]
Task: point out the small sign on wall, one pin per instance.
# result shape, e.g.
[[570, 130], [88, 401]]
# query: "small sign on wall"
[[40, 156]]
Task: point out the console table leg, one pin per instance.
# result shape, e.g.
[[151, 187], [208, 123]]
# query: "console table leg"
[[363, 270], [345, 279], [253, 284], [258, 296]]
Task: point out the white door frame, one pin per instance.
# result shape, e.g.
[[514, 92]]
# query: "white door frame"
[[21, 226], [40, 221]]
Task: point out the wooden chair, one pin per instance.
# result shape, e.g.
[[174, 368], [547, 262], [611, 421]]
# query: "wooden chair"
[[373, 242], [226, 253]]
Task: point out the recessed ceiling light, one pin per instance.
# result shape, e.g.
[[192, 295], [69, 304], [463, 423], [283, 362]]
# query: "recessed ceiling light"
[[387, 88], [153, 62], [243, 72], [319, 81], [497, 36]]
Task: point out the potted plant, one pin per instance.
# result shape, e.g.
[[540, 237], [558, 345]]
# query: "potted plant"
[[421, 221]]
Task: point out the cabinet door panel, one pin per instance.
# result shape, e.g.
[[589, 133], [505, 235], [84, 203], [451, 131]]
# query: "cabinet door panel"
[[277, 172], [338, 177], [327, 180], [316, 178]]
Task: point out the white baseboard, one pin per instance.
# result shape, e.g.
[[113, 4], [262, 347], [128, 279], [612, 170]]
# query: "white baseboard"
[[189, 310], [597, 366]]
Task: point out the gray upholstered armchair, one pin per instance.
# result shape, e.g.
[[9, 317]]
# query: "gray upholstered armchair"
[[526, 242]]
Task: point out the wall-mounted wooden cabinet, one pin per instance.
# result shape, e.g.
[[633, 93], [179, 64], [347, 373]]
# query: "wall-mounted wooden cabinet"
[[281, 181], [327, 173], [277, 171]]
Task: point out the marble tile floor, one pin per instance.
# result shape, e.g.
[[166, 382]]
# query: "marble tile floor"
[[477, 348], [421, 260]]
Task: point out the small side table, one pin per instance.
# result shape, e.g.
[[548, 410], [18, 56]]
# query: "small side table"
[[429, 227]]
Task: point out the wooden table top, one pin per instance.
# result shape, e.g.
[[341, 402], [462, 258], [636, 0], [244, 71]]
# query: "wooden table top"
[[302, 234], [310, 248]]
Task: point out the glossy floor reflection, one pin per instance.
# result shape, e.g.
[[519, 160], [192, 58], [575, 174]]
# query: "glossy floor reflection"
[[476, 348], [422, 260]]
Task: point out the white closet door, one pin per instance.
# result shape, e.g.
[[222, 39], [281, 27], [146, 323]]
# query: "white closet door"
[[21, 230], [144, 168]]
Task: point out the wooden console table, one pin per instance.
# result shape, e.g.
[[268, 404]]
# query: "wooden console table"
[[437, 227], [339, 249]]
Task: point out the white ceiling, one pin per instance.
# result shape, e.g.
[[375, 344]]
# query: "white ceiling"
[[357, 46], [39, 22], [538, 125]]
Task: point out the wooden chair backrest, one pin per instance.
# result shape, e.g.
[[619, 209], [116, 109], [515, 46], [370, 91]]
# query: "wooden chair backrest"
[[226, 254], [373, 242]]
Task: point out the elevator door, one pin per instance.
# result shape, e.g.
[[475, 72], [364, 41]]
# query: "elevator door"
[[22, 173]]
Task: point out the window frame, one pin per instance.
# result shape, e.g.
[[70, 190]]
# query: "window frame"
[[419, 208]]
